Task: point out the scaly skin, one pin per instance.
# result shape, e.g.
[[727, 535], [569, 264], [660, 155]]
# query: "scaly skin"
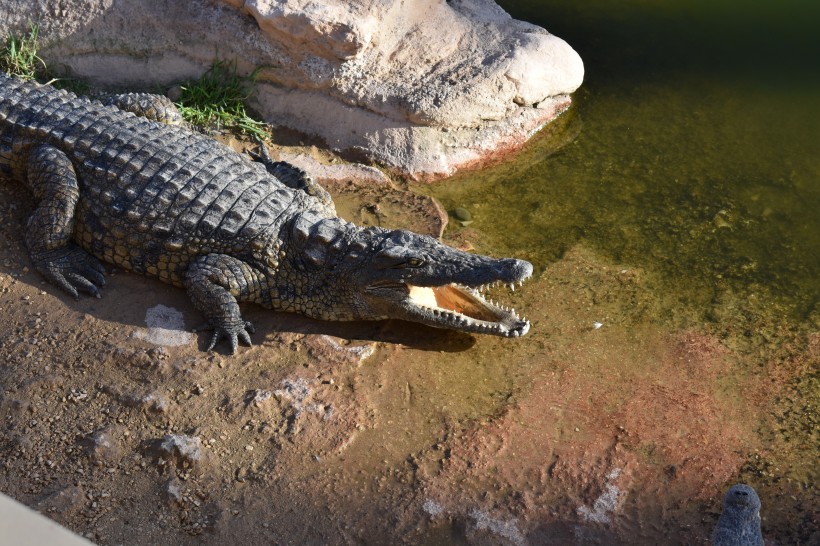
[[155, 107], [116, 187]]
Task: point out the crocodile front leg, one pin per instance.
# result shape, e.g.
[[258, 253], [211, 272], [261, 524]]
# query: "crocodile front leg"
[[154, 107], [215, 282], [50, 177], [293, 177]]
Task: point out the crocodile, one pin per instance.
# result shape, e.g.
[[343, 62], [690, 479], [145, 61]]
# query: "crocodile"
[[114, 184]]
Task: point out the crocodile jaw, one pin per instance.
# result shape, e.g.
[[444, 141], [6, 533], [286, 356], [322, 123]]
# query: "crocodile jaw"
[[463, 308]]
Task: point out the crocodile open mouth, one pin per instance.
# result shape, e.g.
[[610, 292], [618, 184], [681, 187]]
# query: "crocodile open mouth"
[[464, 308]]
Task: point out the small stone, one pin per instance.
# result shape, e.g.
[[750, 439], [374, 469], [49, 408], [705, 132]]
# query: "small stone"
[[173, 490], [174, 93], [462, 214], [259, 398], [165, 327], [185, 451], [101, 447], [432, 508], [64, 503]]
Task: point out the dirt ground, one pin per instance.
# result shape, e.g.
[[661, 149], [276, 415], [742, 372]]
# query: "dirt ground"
[[604, 425]]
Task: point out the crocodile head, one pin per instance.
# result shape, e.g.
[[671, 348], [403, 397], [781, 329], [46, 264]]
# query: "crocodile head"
[[372, 274]]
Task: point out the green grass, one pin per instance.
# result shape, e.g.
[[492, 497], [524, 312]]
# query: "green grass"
[[19, 56], [218, 99]]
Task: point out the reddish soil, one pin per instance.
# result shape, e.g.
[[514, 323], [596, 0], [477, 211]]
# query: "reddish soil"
[[627, 432]]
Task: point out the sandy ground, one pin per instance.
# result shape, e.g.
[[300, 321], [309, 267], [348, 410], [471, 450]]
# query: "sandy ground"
[[605, 425]]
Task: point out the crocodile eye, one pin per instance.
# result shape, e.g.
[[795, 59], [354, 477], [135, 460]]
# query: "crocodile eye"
[[394, 257]]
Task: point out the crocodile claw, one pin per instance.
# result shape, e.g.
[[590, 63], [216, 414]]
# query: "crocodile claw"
[[72, 269], [233, 334]]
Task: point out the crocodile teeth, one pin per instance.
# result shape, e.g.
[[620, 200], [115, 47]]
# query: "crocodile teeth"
[[470, 310]]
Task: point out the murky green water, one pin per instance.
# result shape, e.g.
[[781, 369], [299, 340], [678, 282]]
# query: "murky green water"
[[692, 149], [692, 152]]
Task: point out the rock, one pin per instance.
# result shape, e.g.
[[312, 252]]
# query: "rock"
[[739, 524], [173, 491], [462, 214], [484, 529], [166, 327], [432, 508], [102, 447], [299, 401], [259, 398], [365, 196], [337, 173], [295, 392], [181, 450], [606, 503], [63, 503], [422, 86]]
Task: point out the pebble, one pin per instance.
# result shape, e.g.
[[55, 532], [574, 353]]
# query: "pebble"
[[462, 214], [173, 490], [174, 93], [101, 447], [185, 450], [260, 398]]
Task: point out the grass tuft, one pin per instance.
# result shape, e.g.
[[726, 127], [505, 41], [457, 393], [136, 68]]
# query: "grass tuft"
[[218, 99], [19, 56]]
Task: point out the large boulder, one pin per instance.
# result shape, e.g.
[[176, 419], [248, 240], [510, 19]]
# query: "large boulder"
[[421, 86]]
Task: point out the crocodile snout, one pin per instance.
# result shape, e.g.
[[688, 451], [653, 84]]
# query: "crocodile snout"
[[514, 270]]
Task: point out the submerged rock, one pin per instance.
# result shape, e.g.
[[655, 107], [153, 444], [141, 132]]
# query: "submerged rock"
[[422, 86]]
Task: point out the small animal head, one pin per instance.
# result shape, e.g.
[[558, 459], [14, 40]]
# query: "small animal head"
[[739, 523], [372, 274], [741, 497]]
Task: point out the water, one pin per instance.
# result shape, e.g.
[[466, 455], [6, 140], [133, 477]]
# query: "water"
[[691, 159], [693, 148], [676, 204]]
